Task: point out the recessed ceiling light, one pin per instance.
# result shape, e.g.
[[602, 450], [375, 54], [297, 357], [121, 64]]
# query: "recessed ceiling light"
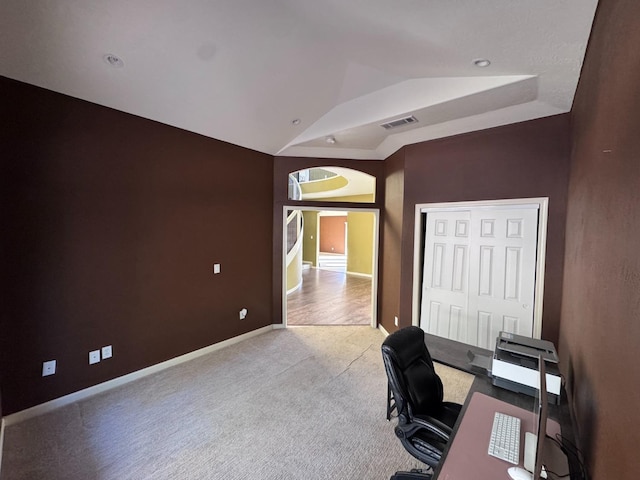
[[481, 62], [113, 60], [330, 139], [295, 121]]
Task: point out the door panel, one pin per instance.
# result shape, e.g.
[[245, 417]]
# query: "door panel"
[[446, 279], [503, 259]]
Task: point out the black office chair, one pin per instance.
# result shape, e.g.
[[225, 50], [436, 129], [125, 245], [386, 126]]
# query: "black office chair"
[[415, 390]]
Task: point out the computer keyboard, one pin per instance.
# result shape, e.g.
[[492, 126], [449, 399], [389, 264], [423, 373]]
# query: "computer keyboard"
[[505, 438]]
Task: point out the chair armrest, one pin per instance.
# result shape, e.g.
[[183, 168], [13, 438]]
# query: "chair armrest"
[[424, 422], [451, 406], [450, 410]]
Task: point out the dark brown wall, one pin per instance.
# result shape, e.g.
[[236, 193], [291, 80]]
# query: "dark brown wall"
[[529, 159], [391, 245], [281, 168], [111, 224], [600, 330]]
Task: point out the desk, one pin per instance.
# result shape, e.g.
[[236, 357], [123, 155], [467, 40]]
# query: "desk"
[[454, 354]]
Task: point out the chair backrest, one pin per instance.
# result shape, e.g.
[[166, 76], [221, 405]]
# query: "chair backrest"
[[416, 387]]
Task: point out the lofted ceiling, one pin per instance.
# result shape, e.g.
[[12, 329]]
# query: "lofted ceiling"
[[243, 70]]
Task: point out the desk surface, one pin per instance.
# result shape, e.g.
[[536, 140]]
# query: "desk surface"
[[454, 354], [467, 455]]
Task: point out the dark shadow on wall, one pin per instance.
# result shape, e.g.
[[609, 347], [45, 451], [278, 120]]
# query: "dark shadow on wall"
[[583, 404]]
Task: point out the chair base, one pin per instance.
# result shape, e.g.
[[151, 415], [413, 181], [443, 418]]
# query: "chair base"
[[413, 475]]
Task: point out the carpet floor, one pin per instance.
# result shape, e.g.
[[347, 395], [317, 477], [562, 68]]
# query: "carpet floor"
[[299, 403]]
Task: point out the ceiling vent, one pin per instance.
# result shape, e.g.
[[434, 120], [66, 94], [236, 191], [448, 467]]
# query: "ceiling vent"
[[399, 122]]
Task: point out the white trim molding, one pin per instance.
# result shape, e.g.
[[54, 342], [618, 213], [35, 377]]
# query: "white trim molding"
[[374, 275], [116, 382], [383, 330], [358, 274], [2, 423]]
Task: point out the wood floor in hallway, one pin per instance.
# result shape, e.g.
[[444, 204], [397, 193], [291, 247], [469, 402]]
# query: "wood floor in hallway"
[[330, 298]]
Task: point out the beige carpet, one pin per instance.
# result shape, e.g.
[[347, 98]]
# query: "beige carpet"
[[301, 403]]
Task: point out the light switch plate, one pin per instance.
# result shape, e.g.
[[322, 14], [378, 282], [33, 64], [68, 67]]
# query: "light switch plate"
[[216, 268], [107, 352]]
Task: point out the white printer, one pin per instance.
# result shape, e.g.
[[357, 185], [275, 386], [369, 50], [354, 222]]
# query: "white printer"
[[515, 365]]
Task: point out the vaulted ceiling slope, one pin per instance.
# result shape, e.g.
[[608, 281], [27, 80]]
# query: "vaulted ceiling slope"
[[284, 76]]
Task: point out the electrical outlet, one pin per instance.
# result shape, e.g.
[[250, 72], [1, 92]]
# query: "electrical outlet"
[[48, 368], [216, 268], [107, 352], [243, 313], [395, 321], [94, 357]]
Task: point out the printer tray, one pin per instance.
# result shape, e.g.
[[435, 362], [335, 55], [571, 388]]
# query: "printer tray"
[[526, 347]]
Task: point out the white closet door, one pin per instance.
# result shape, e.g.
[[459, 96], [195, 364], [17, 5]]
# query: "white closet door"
[[445, 291], [502, 272], [479, 273]]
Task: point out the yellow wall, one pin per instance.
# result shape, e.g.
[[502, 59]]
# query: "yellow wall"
[[310, 239], [324, 185], [365, 198], [360, 242], [294, 271]]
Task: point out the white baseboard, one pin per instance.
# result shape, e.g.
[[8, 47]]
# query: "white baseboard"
[[358, 274], [116, 382], [1, 442], [383, 330]]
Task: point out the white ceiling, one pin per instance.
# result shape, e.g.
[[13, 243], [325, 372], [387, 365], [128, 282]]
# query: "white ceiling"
[[242, 70]]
